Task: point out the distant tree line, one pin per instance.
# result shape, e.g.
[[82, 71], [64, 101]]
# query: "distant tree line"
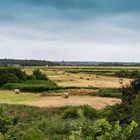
[[94, 63], [7, 62]]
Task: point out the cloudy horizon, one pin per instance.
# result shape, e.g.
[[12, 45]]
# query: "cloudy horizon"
[[70, 30]]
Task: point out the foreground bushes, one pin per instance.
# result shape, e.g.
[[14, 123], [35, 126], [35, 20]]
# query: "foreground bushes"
[[20, 122], [103, 130], [73, 112]]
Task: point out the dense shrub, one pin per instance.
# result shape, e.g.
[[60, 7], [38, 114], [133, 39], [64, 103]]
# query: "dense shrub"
[[33, 134], [129, 92], [38, 75], [73, 112], [70, 113], [128, 74], [33, 86], [11, 75], [8, 78], [103, 130]]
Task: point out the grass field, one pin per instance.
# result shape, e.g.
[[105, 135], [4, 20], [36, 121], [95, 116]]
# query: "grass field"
[[7, 96]]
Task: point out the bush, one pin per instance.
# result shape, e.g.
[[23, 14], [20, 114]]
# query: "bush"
[[70, 113], [38, 75], [8, 78], [73, 112], [33, 134], [103, 130], [128, 74], [11, 75]]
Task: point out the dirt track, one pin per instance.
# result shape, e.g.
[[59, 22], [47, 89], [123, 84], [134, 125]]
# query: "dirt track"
[[58, 101]]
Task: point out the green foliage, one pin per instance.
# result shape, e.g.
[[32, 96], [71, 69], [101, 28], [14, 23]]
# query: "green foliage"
[[103, 130], [38, 75], [7, 125], [128, 74], [70, 113], [129, 92], [73, 112], [108, 92], [33, 134], [8, 78], [11, 75], [33, 86], [5, 122]]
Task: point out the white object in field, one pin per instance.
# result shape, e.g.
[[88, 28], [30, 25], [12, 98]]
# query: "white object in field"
[[17, 91], [65, 95], [47, 66]]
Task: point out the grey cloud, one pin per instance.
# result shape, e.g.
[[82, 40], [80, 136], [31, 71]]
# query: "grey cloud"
[[99, 5], [43, 28]]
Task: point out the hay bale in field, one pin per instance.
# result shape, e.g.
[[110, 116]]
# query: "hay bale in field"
[[65, 95], [71, 79], [16, 91], [63, 72], [121, 81], [59, 80], [68, 74], [97, 76], [47, 66], [81, 77]]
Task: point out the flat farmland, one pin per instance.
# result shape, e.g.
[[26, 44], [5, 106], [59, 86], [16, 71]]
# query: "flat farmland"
[[85, 80], [85, 76]]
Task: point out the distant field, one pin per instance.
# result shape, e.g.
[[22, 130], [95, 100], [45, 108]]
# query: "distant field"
[[85, 80], [84, 76]]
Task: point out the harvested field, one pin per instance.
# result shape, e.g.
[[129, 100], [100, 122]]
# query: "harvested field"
[[58, 101], [86, 80]]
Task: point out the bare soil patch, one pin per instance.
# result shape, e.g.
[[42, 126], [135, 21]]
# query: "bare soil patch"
[[58, 101]]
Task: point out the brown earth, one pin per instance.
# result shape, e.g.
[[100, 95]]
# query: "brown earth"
[[86, 80], [58, 101]]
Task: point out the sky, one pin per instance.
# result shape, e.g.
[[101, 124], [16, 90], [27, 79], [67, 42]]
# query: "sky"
[[70, 30]]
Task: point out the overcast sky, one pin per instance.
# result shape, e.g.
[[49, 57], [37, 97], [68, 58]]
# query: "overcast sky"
[[75, 30]]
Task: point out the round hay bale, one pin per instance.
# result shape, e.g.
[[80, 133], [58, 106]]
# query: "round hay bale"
[[59, 80], [71, 79], [65, 95], [97, 76], [68, 74], [16, 91]]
